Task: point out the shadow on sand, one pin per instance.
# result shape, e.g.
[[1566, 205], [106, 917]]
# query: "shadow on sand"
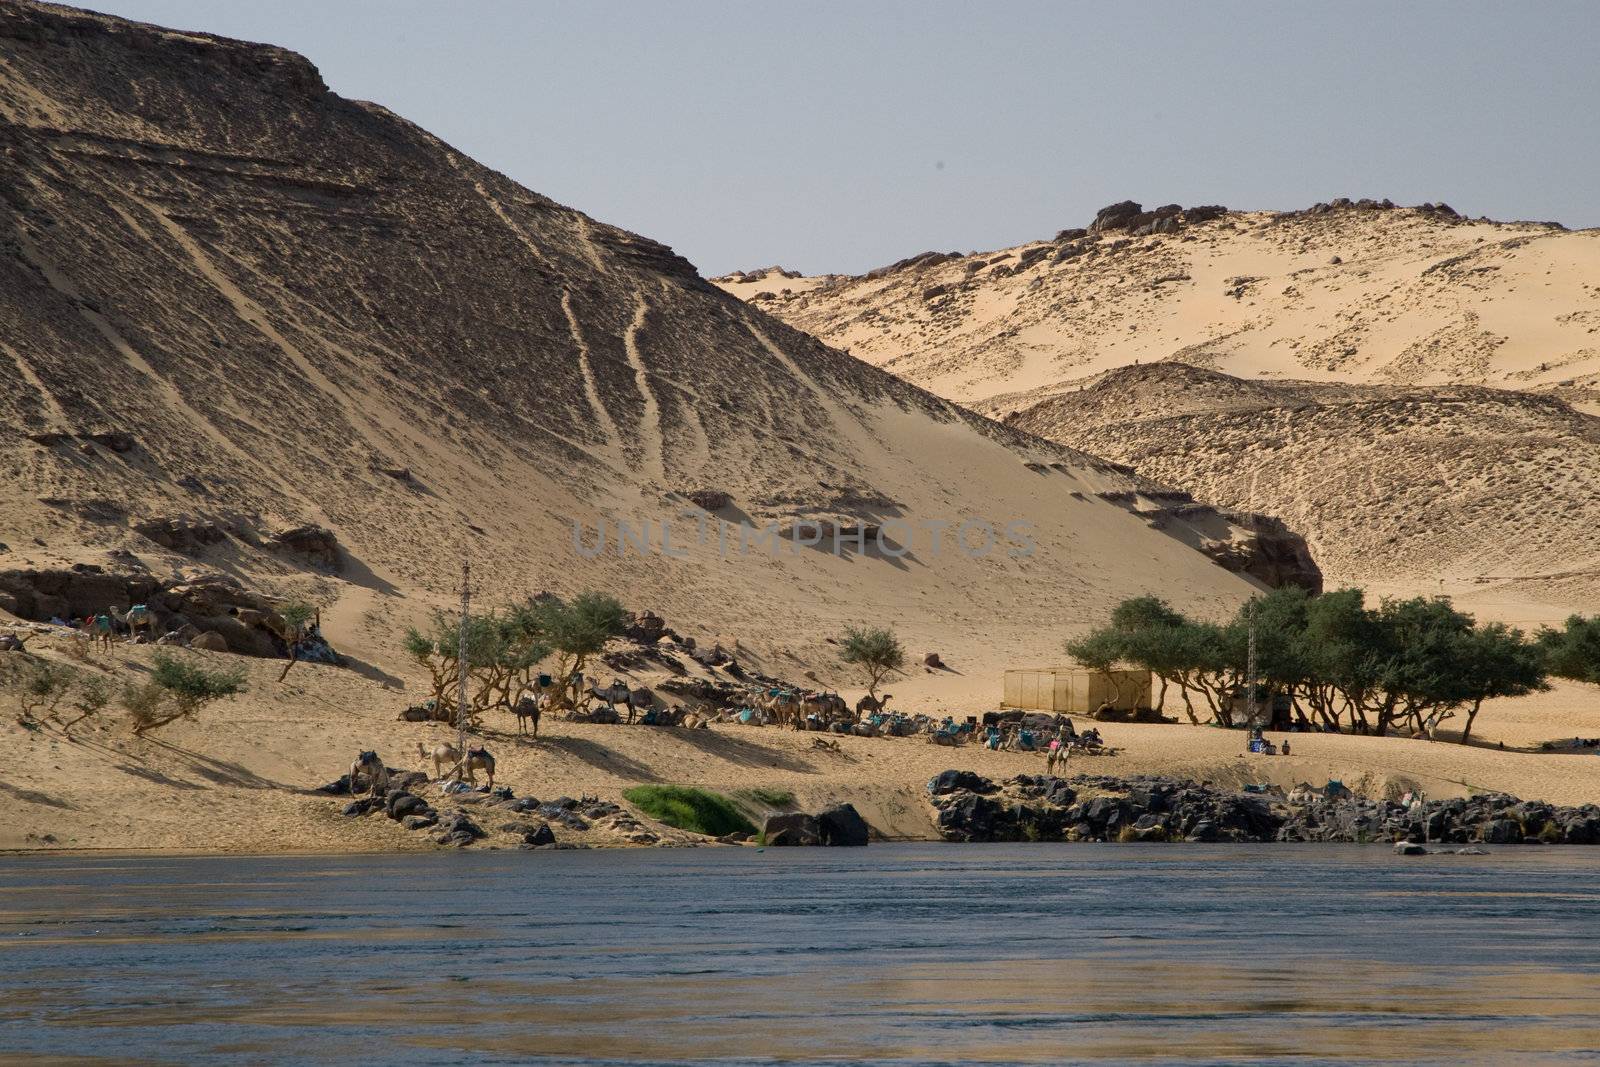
[[743, 752], [600, 757]]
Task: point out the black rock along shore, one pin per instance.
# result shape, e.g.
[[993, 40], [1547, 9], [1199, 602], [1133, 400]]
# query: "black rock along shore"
[[969, 807]]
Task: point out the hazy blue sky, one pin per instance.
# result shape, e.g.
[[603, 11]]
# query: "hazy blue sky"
[[842, 136]]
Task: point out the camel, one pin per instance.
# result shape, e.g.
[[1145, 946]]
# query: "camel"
[[530, 708], [871, 705], [824, 706], [1058, 754], [783, 705], [478, 759], [139, 617], [103, 627], [612, 695], [443, 754], [377, 774]]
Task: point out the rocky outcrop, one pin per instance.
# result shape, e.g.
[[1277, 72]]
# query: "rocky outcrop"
[[317, 543], [1263, 547], [1130, 217], [967, 807], [838, 826], [242, 621]]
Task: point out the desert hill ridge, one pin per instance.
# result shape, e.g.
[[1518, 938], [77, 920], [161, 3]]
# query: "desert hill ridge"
[[1350, 291], [1487, 492], [303, 310]]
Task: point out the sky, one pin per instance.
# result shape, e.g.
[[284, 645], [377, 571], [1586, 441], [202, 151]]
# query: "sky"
[[827, 136]]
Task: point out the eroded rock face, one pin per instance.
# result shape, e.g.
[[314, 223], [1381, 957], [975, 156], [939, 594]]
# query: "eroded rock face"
[[317, 543], [233, 618], [1266, 549]]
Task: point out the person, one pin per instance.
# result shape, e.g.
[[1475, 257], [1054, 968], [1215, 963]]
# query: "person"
[[1285, 746]]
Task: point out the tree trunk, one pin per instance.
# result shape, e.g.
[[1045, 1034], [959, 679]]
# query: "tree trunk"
[[1466, 731]]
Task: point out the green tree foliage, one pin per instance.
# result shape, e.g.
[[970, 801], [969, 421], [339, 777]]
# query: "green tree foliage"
[[875, 652], [1573, 652], [502, 653], [576, 631], [178, 688], [1406, 664]]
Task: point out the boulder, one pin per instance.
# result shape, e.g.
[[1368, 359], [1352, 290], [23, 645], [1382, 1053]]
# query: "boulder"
[[842, 825], [1117, 216], [210, 641], [1409, 848], [1502, 832], [792, 829], [316, 542], [400, 804], [956, 781], [421, 821], [709, 499], [540, 834]]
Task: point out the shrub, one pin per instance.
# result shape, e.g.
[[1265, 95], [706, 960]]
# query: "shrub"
[[92, 695], [876, 652], [178, 689], [770, 798], [38, 685], [686, 808]]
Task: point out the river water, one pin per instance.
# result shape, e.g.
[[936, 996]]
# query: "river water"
[[916, 954]]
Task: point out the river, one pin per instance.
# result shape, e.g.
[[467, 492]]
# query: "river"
[[913, 954]]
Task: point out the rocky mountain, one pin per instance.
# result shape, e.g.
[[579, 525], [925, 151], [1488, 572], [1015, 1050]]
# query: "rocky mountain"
[[1352, 291], [1411, 390], [235, 305], [1394, 486]]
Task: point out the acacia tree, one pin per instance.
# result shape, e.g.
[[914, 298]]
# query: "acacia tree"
[[1410, 663], [875, 652], [178, 689], [502, 652], [1573, 652], [1497, 661], [575, 631]]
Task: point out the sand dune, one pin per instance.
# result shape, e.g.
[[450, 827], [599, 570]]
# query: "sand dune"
[[305, 309]]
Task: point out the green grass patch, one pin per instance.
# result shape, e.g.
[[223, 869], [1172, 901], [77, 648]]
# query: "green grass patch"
[[776, 799], [686, 808]]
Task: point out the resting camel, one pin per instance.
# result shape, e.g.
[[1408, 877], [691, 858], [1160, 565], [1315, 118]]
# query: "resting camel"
[[377, 774], [443, 754], [870, 705]]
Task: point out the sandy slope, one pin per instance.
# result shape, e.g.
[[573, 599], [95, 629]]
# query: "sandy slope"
[[304, 309]]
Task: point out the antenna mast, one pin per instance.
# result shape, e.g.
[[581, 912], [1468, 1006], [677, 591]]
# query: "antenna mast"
[[461, 659], [1250, 665]]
